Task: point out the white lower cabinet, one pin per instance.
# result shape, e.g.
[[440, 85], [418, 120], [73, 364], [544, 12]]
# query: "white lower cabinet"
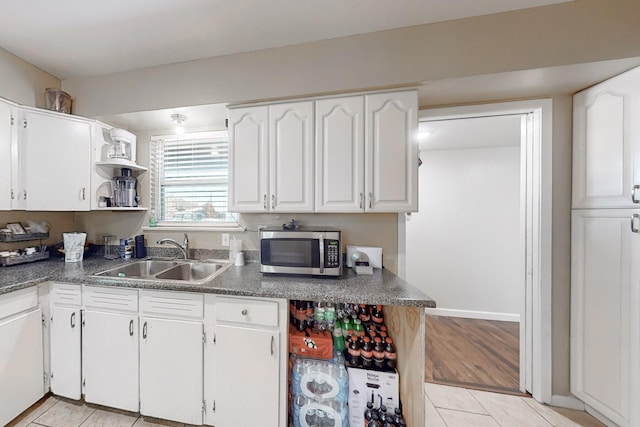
[[171, 369], [605, 313], [110, 347], [110, 359], [21, 353], [171, 355], [245, 362], [65, 330]]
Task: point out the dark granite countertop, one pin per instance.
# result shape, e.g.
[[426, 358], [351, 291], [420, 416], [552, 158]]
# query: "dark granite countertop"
[[383, 287]]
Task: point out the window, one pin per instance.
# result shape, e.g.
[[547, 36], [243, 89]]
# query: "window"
[[189, 179]]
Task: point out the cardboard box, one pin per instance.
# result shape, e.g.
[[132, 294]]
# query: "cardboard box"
[[363, 383], [310, 343]]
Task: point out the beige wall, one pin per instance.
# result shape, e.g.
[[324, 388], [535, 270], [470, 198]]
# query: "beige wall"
[[23, 83], [568, 33], [561, 242], [59, 223]]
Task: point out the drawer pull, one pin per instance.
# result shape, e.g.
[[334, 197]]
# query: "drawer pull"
[[245, 312]]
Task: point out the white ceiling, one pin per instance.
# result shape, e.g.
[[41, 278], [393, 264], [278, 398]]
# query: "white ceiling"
[[75, 38]]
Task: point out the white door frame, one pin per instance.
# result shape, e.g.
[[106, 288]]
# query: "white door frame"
[[538, 344]]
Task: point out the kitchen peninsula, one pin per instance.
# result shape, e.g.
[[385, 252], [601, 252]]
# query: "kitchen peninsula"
[[403, 305]]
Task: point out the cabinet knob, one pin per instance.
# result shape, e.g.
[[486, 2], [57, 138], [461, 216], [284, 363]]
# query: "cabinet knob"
[[245, 312]]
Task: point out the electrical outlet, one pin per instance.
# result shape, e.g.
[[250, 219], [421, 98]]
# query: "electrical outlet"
[[225, 239]]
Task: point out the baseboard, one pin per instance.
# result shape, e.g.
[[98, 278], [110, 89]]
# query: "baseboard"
[[469, 314], [569, 402], [597, 415]]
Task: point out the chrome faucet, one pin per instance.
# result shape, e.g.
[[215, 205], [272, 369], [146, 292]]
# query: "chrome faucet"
[[184, 247]]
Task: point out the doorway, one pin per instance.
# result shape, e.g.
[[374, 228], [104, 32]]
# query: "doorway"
[[534, 237]]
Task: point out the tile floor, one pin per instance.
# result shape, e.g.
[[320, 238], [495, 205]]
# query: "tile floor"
[[445, 407], [459, 407]]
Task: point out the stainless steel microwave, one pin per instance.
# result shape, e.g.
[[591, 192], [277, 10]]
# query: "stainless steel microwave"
[[301, 251]]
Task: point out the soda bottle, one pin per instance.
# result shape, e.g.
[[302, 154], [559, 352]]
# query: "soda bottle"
[[368, 414], [363, 314], [338, 339], [378, 353], [358, 326], [376, 314], [390, 354], [353, 355], [366, 354]]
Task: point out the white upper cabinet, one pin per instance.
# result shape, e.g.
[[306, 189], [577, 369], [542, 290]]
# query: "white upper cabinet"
[[11, 190], [56, 162], [606, 144], [248, 159], [291, 157], [6, 126], [342, 154], [391, 152], [271, 158], [339, 156]]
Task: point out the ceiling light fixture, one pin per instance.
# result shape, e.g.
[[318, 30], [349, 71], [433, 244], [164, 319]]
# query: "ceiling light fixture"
[[179, 119]]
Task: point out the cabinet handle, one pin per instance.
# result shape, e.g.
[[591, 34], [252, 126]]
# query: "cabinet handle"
[[370, 200], [633, 194], [72, 319], [264, 201], [272, 342], [131, 327], [12, 195], [361, 198], [144, 330], [245, 312], [84, 190], [634, 229], [24, 194], [273, 201]]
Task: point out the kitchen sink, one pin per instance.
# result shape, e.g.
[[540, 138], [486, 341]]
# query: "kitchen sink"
[[191, 272], [147, 268], [161, 270]]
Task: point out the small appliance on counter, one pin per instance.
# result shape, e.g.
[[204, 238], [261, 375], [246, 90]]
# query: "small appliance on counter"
[[363, 259], [124, 189], [122, 146], [360, 263], [293, 249], [15, 232]]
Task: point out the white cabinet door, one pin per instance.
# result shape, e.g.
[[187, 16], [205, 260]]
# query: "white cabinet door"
[[56, 162], [247, 377], [171, 379], [339, 155], [110, 359], [605, 313], [65, 352], [248, 159], [391, 152], [606, 144], [291, 157], [6, 127], [21, 364]]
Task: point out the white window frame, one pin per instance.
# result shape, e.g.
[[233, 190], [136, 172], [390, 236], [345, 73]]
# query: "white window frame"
[[155, 163]]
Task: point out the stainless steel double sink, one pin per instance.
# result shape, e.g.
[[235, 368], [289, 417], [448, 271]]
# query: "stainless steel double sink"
[[175, 270]]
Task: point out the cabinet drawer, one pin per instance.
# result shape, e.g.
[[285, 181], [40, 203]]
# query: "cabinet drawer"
[[111, 298], [15, 302], [181, 304], [66, 294], [247, 311]]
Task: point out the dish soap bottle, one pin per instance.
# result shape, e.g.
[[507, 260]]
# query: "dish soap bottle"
[[152, 219]]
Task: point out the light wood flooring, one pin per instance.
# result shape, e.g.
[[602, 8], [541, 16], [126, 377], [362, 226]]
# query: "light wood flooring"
[[444, 407], [472, 353]]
